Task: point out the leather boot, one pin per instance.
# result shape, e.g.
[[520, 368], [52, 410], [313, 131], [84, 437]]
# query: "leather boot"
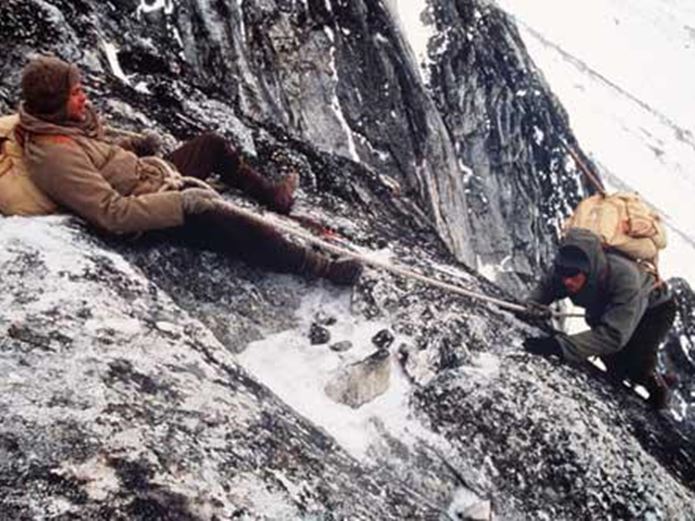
[[282, 198], [659, 393], [277, 196], [341, 272]]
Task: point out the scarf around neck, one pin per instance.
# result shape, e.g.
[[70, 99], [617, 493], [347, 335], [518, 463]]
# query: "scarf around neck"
[[90, 126]]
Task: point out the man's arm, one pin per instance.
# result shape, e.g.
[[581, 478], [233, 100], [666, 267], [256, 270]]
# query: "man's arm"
[[63, 170], [627, 302], [147, 143]]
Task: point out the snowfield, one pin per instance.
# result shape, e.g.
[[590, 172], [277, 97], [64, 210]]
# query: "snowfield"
[[623, 70]]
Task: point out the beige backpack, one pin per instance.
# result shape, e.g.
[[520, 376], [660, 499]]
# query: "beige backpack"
[[18, 194], [624, 222]]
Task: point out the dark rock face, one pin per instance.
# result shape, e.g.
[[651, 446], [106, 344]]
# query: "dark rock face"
[[507, 126], [120, 393], [678, 354]]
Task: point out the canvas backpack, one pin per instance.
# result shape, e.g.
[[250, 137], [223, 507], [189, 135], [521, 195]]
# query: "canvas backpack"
[[18, 194], [625, 223]]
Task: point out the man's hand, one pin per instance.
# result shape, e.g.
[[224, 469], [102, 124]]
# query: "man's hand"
[[543, 346], [199, 200], [534, 311], [148, 144]]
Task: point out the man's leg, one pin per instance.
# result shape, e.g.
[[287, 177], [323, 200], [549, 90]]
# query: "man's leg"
[[637, 360], [210, 153], [227, 231]]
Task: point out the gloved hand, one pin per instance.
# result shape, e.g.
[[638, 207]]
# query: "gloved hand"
[[198, 200], [539, 310], [534, 311], [148, 144], [543, 346]]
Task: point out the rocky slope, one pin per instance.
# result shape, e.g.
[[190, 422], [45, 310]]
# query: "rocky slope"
[[123, 391], [504, 123], [478, 149]]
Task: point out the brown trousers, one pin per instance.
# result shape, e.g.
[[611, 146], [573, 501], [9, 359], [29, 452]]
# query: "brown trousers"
[[210, 153], [637, 360], [223, 230]]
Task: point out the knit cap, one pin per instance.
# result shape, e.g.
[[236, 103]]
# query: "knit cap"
[[46, 84]]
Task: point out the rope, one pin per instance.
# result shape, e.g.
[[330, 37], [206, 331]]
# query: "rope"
[[397, 270]]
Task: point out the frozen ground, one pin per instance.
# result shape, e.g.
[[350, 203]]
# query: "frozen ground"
[[298, 371]]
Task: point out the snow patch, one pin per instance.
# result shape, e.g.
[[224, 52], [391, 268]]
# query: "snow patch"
[[408, 15], [149, 6], [335, 101], [489, 271], [297, 371], [112, 56]]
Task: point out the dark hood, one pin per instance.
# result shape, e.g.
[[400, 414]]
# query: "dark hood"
[[590, 244]]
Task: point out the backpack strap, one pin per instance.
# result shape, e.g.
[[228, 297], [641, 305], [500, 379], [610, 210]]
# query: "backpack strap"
[[5, 161], [644, 265], [604, 278]]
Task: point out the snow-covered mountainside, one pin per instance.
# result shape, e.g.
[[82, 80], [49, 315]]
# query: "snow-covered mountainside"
[[622, 70], [143, 380]]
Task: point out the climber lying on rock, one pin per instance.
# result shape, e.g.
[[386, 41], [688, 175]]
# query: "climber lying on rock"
[[628, 310], [109, 185]]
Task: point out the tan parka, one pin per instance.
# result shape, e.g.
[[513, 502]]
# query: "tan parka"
[[105, 184]]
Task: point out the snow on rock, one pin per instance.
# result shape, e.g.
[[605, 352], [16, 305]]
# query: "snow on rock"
[[300, 372], [106, 415], [548, 450], [142, 379], [415, 29]]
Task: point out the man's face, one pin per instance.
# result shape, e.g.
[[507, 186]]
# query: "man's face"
[[574, 283], [77, 103]]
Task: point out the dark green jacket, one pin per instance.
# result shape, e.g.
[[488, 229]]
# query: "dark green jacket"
[[615, 297]]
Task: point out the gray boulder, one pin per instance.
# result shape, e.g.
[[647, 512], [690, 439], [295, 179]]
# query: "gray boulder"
[[361, 382]]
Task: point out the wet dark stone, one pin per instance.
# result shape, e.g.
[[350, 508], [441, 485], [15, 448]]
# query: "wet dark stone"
[[383, 339], [319, 334], [340, 347]]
